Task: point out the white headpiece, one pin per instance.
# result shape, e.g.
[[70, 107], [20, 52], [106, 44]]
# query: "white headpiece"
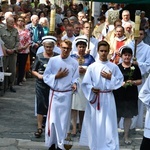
[[49, 39], [80, 38]]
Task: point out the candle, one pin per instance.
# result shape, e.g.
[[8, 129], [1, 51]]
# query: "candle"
[[137, 25], [52, 20]]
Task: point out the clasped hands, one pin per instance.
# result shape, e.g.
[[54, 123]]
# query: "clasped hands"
[[81, 70], [128, 83]]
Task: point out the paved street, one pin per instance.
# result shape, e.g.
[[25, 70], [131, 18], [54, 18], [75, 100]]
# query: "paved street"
[[18, 123]]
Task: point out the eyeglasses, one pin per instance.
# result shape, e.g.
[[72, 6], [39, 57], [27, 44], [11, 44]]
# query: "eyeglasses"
[[104, 51], [66, 48]]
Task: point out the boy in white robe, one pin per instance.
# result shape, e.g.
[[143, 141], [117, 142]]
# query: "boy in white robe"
[[144, 96], [99, 129], [61, 75]]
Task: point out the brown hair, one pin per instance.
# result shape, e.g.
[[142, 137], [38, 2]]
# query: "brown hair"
[[103, 43], [68, 42]]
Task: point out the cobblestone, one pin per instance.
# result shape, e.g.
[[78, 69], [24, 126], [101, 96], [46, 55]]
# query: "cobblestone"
[[18, 123]]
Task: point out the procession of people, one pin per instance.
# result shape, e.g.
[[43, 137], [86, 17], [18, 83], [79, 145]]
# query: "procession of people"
[[94, 76]]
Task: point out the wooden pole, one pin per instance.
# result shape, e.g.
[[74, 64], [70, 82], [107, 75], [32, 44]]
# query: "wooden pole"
[[135, 48], [90, 23]]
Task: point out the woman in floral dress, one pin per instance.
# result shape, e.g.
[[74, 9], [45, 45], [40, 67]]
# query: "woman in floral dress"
[[126, 97], [25, 41]]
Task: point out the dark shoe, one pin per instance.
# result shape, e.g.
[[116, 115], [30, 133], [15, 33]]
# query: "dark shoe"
[[38, 133], [52, 147], [12, 89]]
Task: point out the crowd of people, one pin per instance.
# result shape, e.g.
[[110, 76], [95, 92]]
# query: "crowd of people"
[[85, 74]]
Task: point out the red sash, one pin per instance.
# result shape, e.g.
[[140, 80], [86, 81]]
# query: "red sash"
[[97, 98]]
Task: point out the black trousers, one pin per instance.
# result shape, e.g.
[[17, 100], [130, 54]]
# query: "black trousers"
[[21, 63], [145, 145]]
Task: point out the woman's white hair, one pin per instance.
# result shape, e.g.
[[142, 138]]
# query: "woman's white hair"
[[42, 20]]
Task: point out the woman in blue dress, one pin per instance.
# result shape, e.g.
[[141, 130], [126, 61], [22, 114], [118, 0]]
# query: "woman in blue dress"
[[79, 100]]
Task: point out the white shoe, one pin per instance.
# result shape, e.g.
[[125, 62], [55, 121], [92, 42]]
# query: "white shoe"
[[24, 79]]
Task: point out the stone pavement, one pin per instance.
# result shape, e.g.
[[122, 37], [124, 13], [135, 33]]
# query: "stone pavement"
[[18, 122]]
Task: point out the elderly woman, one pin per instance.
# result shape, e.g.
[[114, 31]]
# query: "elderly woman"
[[42, 89], [44, 23], [126, 97], [79, 100]]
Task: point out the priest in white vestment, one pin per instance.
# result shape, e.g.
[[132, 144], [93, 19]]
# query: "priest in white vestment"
[[99, 129], [61, 75], [144, 96]]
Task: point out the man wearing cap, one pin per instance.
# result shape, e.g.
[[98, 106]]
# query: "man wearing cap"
[[42, 89], [61, 75], [50, 39]]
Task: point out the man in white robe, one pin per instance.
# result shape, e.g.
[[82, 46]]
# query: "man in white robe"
[[144, 96], [143, 61], [99, 129], [69, 33], [61, 75]]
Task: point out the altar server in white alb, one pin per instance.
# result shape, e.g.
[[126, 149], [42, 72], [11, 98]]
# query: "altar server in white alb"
[[144, 96], [61, 75], [99, 129]]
